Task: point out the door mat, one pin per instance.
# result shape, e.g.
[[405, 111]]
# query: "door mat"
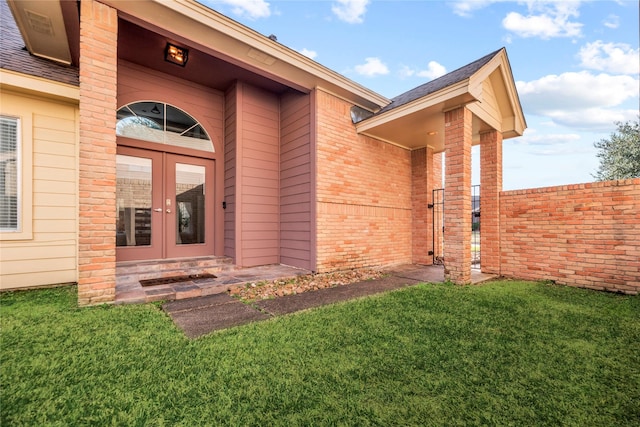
[[176, 279]]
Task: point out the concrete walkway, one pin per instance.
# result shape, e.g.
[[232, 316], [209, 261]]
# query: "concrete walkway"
[[200, 316]]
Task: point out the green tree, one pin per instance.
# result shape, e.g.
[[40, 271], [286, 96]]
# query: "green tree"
[[620, 153]]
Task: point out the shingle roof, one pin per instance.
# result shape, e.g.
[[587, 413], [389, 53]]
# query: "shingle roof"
[[440, 83], [14, 57]]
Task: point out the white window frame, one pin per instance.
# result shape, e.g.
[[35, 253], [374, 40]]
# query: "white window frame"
[[24, 148]]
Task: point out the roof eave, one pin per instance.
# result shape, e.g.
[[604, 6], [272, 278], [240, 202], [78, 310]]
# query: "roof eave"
[[283, 61], [19, 82], [42, 27], [449, 97]]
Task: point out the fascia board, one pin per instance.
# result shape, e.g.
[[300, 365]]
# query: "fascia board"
[[443, 95], [483, 73], [501, 62], [249, 39], [510, 86], [10, 80]]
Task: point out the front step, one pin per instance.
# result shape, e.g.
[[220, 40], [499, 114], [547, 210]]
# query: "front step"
[[129, 271]]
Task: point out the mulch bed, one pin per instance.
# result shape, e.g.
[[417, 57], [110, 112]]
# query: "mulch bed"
[[268, 289]]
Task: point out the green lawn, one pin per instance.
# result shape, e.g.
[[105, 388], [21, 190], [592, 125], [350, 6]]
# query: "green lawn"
[[506, 353]]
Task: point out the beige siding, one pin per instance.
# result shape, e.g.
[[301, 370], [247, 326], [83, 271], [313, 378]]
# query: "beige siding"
[[49, 255]]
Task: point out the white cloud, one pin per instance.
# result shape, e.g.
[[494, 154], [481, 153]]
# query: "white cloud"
[[545, 20], [543, 26], [433, 71], [372, 67], [611, 57], [532, 137], [561, 151], [309, 53], [351, 11], [596, 119], [612, 21], [577, 90], [581, 100], [467, 7], [253, 9], [406, 71]]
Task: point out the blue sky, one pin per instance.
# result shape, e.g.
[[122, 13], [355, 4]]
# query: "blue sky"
[[575, 62]]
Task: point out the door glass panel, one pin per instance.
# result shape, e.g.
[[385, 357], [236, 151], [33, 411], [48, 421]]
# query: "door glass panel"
[[133, 201], [190, 207]]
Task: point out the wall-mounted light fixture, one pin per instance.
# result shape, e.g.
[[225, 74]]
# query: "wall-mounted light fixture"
[[176, 55]]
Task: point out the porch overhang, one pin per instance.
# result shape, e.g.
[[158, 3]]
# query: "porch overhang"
[[200, 27], [51, 30], [489, 93]]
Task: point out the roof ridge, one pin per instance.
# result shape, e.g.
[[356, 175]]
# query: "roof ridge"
[[439, 83]]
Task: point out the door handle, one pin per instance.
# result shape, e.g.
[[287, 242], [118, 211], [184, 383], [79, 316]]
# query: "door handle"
[[168, 210], [157, 210]]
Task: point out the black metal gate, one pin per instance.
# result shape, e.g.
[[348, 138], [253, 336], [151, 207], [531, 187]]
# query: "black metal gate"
[[438, 226], [475, 226]]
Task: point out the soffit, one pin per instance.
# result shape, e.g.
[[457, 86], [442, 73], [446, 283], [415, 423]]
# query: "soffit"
[[42, 26], [14, 56], [145, 47]]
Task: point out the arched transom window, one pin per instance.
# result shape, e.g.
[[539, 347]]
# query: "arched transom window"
[[162, 123]]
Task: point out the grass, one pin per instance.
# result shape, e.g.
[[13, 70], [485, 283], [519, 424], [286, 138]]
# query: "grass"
[[506, 353]]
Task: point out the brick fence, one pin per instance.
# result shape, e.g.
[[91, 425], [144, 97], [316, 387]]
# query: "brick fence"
[[584, 235]]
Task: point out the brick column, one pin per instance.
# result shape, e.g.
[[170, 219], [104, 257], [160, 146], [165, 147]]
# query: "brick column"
[[421, 196], [97, 168], [457, 196], [490, 188]]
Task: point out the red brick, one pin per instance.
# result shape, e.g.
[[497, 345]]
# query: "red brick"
[[98, 65], [563, 228]]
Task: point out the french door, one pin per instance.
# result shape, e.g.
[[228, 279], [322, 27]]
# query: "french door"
[[164, 205]]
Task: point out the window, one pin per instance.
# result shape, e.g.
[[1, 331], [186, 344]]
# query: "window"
[[10, 171], [162, 123]]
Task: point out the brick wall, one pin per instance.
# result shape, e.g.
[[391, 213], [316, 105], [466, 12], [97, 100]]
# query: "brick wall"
[[97, 165], [585, 235], [422, 227], [363, 194]]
